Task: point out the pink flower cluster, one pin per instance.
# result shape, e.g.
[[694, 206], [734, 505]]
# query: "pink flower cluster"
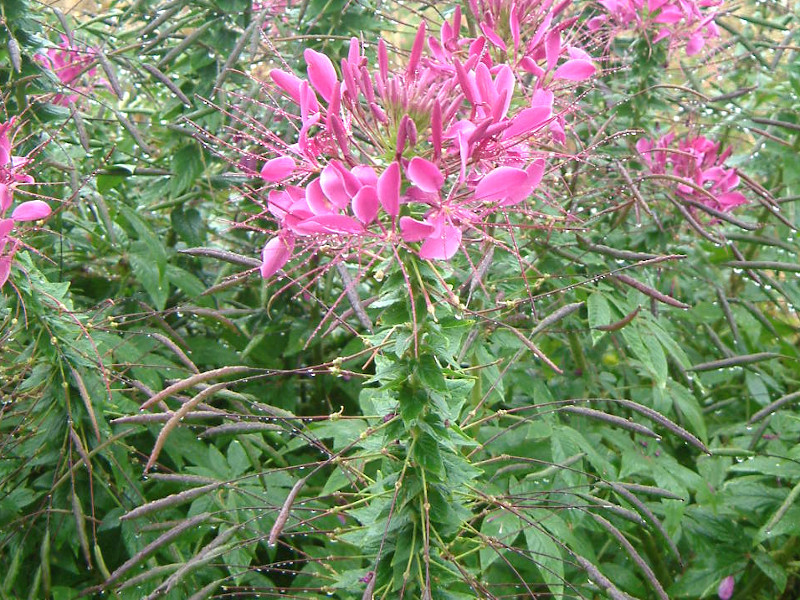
[[686, 23], [276, 10], [420, 154], [698, 161], [70, 63], [11, 175]]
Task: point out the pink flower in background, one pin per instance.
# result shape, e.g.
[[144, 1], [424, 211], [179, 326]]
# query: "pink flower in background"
[[276, 10], [698, 161], [73, 66], [33, 210], [683, 23], [725, 589]]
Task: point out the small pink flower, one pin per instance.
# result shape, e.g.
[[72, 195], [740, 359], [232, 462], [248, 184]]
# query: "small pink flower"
[[725, 589], [698, 161], [71, 64]]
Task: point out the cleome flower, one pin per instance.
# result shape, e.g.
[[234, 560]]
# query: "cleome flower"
[[11, 176], [73, 66], [698, 161], [423, 153], [682, 23]]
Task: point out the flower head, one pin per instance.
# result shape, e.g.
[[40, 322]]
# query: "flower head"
[[11, 176], [698, 161], [418, 155], [682, 23], [73, 66]]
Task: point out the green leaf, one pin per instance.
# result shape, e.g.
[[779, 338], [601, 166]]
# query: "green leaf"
[[428, 455], [547, 556], [412, 403], [430, 373], [690, 409], [502, 527], [185, 281], [771, 569], [336, 481], [237, 458], [147, 272], [189, 225], [187, 164], [599, 314]]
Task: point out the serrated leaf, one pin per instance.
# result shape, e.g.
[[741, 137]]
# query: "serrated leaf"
[[187, 164], [431, 374], [189, 225]]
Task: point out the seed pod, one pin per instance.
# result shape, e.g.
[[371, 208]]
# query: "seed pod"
[[283, 515], [14, 54]]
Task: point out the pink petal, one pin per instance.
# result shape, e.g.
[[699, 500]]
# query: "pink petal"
[[500, 183], [730, 200], [331, 224], [413, 230], [725, 589], [578, 53], [527, 121], [5, 150], [278, 203], [492, 36], [316, 199], [354, 52], [275, 254], [288, 82], [309, 105], [6, 196], [425, 175], [5, 268], [531, 67], [513, 25], [321, 73], [389, 189], [6, 225], [542, 98], [365, 204], [552, 46], [484, 83], [32, 210], [504, 84], [365, 174], [416, 50], [695, 44], [351, 182], [575, 70], [278, 169], [467, 84], [333, 186], [535, 173], [443, 246], [671, 14]]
